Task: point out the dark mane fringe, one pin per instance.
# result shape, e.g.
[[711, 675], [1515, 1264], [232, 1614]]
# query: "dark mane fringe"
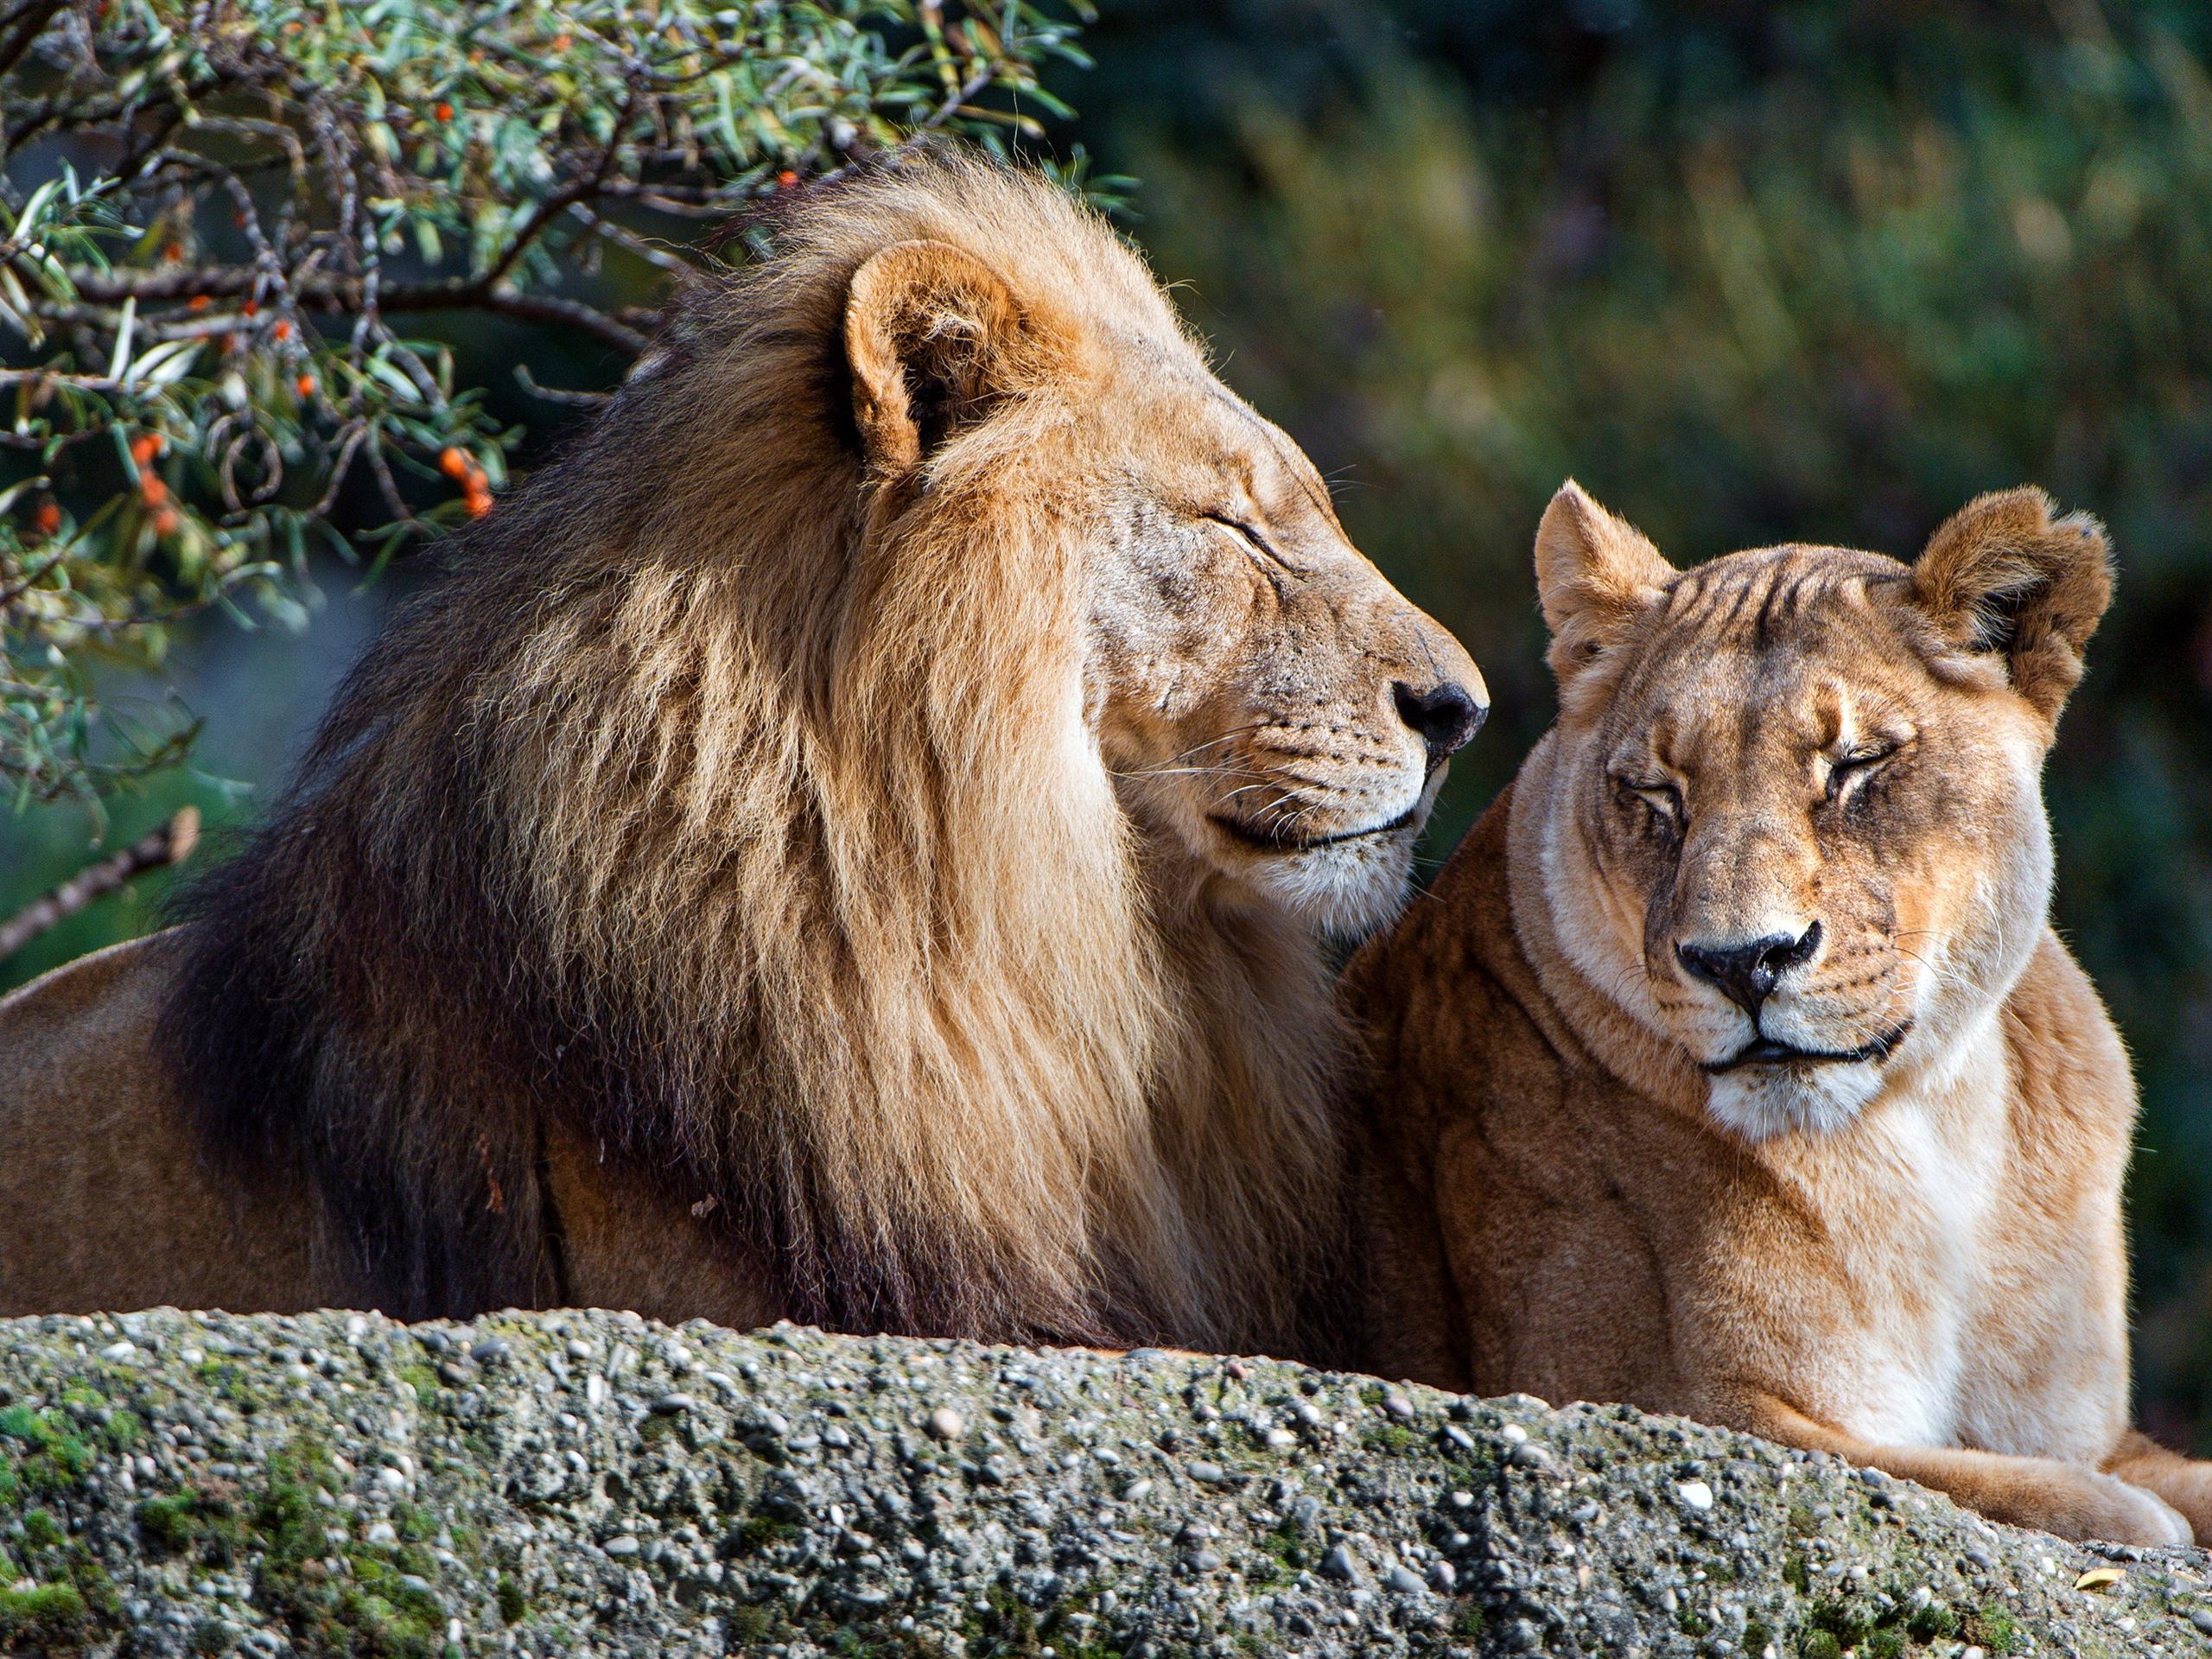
[[331, 1006]]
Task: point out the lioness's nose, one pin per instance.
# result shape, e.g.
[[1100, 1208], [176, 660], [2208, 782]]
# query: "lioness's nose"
[[1748, 973], [1445, 716]]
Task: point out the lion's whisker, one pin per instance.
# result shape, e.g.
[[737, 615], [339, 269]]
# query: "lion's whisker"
[[1191, 772]]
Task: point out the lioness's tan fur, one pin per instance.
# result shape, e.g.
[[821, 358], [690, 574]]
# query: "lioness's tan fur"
[[1915, 1260], [852, 841]]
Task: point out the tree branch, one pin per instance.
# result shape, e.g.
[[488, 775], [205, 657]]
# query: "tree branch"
[[169, 844], [541, 307], [28, 25], [345, 296]]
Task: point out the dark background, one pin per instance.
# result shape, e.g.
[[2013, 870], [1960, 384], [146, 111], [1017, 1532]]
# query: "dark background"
[[1752, 273]]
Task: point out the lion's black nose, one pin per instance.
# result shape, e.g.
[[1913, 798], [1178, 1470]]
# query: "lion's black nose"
[[1445, 715], [1747, 973]]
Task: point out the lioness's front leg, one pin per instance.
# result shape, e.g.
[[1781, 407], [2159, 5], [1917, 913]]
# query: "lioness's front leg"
[[2068, 1499]]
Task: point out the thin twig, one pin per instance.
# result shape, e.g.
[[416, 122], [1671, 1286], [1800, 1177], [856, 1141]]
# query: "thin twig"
[[560, 394], [54, 377], [34, 575], [543, 307], [169, 844]]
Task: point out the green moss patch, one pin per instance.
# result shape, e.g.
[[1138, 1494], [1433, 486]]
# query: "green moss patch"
[[48, 1455], [203, 1523], [52, 1612]]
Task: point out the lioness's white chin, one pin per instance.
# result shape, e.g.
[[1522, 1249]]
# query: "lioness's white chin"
[[1761, 1102]]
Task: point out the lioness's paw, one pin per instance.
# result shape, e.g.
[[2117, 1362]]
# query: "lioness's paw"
[[2103, 1509]]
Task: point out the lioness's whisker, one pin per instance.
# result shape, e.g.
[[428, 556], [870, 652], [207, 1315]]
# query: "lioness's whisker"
[[1945, 975]]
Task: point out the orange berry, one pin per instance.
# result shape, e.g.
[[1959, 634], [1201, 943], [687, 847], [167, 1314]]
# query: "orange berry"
[[173, 252], [304, 385], [562, 41], [786, 178], [443, 111], [478, 502], [150, 487], [282, 328], [47, 518], [165, 522], [197, 302], [145, 447], [453, 463], [251, 307]]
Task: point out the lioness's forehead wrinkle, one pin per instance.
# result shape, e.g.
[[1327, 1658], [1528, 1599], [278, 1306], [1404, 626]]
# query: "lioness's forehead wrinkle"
[[1774, 605], [1739, 659], [1834, 710]]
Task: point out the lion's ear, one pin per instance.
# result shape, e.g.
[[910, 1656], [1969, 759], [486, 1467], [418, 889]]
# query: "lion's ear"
[[2002, 574], [931, 334], [1595, 573]]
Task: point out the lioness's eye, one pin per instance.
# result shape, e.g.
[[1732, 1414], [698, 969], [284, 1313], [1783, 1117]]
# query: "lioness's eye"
[[1663, 799], [1846, 771]]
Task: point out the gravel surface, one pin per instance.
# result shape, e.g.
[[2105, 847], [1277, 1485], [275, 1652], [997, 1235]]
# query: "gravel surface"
[[593, 1484]]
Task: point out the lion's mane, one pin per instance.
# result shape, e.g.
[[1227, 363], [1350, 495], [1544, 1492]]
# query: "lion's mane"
[[719, 806]]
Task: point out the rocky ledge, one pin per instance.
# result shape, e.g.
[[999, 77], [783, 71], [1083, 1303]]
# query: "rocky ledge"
[[573, 1483]]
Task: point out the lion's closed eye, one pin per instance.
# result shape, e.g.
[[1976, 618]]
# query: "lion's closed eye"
[[1254, 540]]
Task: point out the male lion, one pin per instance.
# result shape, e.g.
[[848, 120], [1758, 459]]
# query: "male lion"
[[1735, 1071], [851, 842]]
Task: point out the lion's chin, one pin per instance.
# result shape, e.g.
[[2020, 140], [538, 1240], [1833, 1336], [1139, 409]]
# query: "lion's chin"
[[1814, 1097], [1346, 890]]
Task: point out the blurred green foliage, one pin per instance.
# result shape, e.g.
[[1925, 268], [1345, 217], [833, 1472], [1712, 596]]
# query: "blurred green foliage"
[[1811, 271]]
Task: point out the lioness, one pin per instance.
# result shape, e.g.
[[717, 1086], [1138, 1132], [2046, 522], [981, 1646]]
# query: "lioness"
[[1735, 1072], [854, 841]]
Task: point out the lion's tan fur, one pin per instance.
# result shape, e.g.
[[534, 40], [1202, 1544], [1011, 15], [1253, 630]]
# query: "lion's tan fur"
[[756, 791], [1569, 1188], [923, 894]]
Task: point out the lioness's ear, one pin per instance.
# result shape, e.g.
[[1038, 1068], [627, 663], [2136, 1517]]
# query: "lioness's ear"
[[930, 332], [1594, 575], [2001, 575]]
